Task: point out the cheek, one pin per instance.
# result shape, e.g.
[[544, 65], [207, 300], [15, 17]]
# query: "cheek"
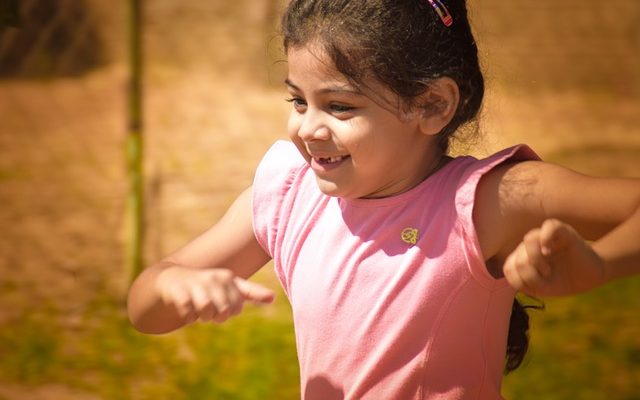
[[293, 126], [356, 136]]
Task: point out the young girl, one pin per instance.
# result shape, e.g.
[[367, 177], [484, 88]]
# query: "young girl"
[[401, 263]]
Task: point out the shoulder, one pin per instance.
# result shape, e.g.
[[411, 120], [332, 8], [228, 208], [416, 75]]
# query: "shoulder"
[[282, 159], [277, 171], [479, 177], [505, 199], [279, 176]]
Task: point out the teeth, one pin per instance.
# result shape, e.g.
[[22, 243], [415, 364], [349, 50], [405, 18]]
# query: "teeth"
[[330, 160]]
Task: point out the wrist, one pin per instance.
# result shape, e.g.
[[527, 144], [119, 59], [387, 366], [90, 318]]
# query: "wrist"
[[615, 264], [620, 249]]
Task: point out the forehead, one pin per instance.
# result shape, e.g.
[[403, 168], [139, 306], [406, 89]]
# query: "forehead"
[[311, 69], [311, 64]]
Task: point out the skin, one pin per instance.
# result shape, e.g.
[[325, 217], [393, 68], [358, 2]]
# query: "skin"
[[553, 232], [332, 119], [532, 219]]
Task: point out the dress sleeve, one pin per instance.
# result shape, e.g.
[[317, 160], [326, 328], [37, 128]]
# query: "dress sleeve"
[[272, 182], [465, 198]]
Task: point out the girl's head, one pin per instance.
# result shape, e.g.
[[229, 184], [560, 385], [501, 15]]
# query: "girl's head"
[[401, 44]]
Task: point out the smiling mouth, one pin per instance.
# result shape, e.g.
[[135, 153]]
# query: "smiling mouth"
[[330, 160]]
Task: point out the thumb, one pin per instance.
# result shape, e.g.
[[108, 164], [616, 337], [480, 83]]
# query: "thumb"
[[254, 292], [554, 236]]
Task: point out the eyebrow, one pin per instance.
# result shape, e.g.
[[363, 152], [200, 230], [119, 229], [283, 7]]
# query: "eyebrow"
[[329, 89]]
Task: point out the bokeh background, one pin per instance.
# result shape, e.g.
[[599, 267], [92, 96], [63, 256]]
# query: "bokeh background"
[[562, 76]]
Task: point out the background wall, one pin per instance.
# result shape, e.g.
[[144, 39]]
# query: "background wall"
[[562, 76]]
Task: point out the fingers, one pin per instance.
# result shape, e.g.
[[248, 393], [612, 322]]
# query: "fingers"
[[183, 304], [216, 296], [227, 301], [254, 292], [528, 267], [554, 260], [210, 295], [525, 269], [554, 236], [204, 306], [533, 255]]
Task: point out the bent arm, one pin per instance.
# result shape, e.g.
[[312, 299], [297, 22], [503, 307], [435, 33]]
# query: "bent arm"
[[517, 210], [213, 266]]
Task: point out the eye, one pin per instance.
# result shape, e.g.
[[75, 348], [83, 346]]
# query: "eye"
[[340, 108], [299, 104]]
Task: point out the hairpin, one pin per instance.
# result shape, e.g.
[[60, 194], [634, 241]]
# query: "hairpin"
[[442, 11]]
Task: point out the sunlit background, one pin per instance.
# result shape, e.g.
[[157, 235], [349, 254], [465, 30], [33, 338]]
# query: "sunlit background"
[[562, 76]]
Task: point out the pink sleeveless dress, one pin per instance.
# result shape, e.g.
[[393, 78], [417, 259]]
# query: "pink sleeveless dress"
[[391, 297]]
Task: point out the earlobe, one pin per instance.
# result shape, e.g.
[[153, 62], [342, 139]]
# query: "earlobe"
[[439, 105]]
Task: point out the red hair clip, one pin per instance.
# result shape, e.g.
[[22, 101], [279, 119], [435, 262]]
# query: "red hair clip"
[[442, 11]]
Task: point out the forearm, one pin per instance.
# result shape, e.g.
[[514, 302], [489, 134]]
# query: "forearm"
[[620, 249], [147, 311]]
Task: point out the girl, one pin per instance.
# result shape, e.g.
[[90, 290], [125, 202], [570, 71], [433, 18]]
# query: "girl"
[[401, 263]]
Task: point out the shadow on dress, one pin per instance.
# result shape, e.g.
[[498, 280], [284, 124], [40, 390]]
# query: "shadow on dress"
[[320, 388]]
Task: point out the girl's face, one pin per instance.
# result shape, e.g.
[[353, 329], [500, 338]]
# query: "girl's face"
[[356, 147]]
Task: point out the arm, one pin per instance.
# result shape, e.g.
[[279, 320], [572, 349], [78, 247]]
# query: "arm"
[[534, 219], [205, 280]]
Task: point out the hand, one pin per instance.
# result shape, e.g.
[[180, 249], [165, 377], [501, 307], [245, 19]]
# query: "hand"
[[554, 260], [208, 294]]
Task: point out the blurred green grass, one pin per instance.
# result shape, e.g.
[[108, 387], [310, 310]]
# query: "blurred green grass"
[[584, 347], [252, 357]]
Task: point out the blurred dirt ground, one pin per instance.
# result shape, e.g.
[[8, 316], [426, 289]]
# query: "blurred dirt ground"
[[563, 77]]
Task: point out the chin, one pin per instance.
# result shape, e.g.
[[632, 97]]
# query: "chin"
[[331, 188]]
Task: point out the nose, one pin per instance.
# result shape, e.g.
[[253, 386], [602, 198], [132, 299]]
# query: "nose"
[[313, 127]]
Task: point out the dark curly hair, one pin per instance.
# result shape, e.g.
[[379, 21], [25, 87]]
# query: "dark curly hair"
[[403, 45]]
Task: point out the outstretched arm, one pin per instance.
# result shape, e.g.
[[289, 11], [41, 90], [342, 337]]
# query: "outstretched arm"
[[205, 280], [556, 232]]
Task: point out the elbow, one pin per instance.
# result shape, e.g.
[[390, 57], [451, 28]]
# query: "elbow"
[[150, 320], [138, 316], [145, 310], [148, 326], [135, 316]]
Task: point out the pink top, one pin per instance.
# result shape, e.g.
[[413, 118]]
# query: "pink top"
[[391, 297]]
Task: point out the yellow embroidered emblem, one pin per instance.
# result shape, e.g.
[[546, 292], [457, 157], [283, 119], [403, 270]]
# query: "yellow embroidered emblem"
[[409, 235]]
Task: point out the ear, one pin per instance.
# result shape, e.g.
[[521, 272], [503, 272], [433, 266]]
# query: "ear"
[[438, 105]]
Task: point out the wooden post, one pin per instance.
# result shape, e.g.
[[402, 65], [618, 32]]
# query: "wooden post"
[[134, 145]]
